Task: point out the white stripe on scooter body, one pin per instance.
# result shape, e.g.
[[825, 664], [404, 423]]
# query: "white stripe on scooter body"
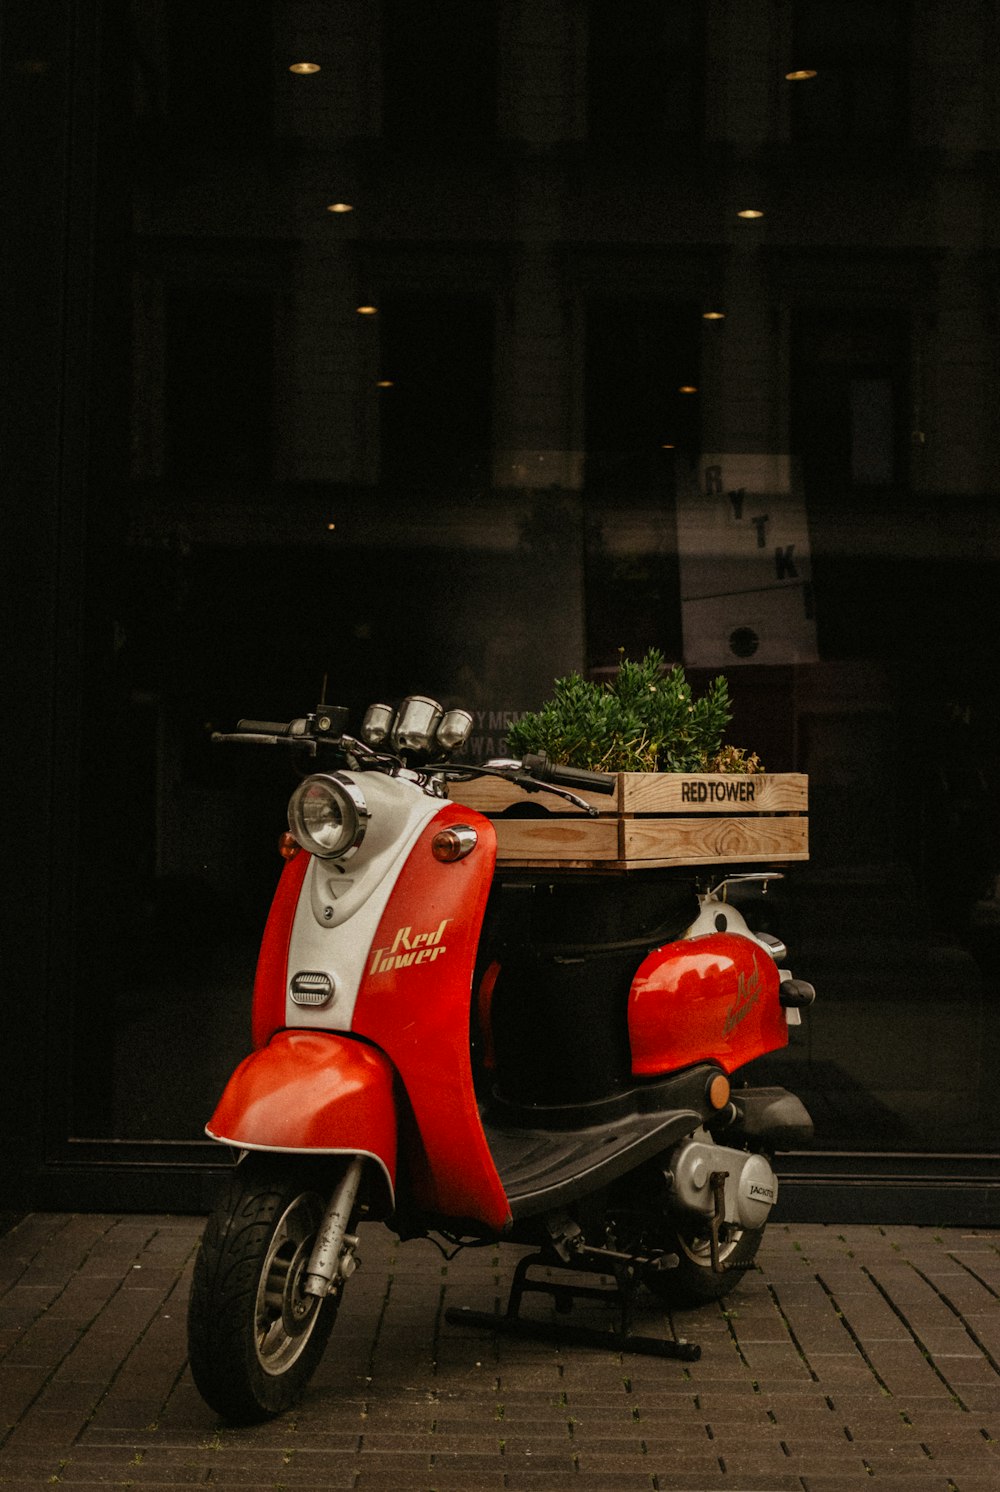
[[342, 901]]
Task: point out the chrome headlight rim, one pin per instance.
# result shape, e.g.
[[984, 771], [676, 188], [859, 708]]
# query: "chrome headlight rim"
[[345, 825]]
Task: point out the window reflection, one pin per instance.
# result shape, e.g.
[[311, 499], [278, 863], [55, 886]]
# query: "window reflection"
[[439, 73], [645, 73], [850, 400], [859, 50], [217, 63], [218, 390], [436, 355]]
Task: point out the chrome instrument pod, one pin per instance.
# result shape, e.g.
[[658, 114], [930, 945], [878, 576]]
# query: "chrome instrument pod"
[[454, 729], [376, 726], [416, 722]]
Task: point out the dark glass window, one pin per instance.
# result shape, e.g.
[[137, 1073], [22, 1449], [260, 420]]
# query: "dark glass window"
[[219, 383], [641, 351], [850, 399], [150, 612], [436, 410], [860, 51], [439, 72], [645, 72], [220, 70]]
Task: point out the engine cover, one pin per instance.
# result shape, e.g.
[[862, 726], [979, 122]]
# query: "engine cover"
[[751, 1187]]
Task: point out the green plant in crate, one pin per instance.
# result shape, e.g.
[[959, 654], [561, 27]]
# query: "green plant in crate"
[[646, 719]]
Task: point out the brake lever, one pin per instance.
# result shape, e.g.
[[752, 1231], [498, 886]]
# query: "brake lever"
[[526, 783], [562, 792]]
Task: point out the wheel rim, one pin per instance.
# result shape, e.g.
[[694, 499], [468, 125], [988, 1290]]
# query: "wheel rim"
[[284, 1317], [698, 1246]]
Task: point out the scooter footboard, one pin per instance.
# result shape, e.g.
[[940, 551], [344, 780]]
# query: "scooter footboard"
[[318, 1093]]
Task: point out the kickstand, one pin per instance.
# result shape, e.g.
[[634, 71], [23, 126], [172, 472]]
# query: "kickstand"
[[622, 1293]]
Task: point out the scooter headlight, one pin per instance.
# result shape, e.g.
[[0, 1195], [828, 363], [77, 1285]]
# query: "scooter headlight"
[[328, 815]]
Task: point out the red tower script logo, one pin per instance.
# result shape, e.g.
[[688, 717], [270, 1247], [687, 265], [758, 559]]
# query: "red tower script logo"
[[747, 995], [407, 948]]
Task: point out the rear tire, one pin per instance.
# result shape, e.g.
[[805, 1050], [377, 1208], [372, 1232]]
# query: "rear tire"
[[694, 1282], [254, 1339]]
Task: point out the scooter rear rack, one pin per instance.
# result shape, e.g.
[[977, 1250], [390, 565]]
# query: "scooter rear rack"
[[621, 1339]]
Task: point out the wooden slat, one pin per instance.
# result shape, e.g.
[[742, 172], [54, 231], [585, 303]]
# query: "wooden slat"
[[558, 839], [711, 840], [707, 792], [650, 843]]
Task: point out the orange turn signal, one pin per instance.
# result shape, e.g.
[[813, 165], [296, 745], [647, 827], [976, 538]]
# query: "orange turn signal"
[[718, 1091], [454, 843], [288, 846]]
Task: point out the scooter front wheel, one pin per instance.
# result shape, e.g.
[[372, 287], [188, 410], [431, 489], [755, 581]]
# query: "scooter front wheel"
[[254, 1337], [694, 1280]]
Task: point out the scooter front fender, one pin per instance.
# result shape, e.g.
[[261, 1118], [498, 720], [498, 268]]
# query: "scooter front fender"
[[314, 1092]]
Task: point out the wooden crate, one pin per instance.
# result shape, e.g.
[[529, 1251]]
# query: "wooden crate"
[[654, 819]]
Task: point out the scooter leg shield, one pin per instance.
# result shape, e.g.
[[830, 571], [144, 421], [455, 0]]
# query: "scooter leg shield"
[[316, 1093]]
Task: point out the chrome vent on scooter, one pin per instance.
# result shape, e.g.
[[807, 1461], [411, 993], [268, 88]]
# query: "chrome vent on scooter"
[[311, 988]]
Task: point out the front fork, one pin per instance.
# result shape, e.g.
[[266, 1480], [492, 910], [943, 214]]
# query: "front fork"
[[333, 1255]]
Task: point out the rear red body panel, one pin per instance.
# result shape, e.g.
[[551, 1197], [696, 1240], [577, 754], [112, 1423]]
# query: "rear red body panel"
[[708, 999]]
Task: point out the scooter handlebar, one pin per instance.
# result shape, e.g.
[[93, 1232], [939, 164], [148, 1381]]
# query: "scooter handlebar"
[[269, 733], [264, 727], [579, 778]]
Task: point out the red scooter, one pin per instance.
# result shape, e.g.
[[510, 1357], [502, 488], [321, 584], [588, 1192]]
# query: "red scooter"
[[542, 1059]]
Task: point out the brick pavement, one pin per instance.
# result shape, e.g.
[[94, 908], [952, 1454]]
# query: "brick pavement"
[[852, 1357]]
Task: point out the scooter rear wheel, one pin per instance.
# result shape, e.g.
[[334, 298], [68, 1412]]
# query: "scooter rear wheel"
[[254, 1338], [694, 1281]]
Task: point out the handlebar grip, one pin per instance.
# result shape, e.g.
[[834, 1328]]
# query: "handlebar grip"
[[572, 777], [264, 727]]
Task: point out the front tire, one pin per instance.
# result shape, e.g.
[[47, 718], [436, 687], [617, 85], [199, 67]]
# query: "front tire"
[[254, 1338]]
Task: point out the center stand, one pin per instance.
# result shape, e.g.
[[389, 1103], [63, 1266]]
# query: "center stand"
[[621, 1294]]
